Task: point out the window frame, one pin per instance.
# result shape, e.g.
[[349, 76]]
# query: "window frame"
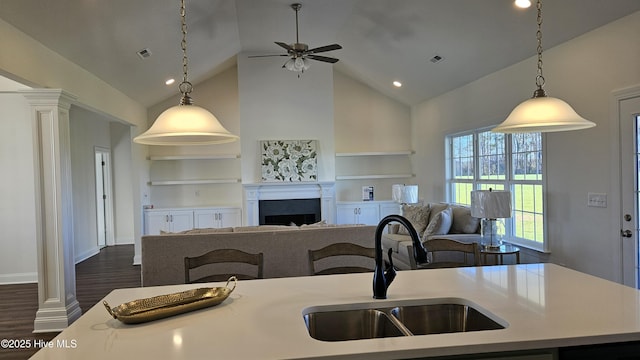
[[509, 182]]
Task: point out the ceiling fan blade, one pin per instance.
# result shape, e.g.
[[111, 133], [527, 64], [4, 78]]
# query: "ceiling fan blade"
[[323, 58], [257, 56], [285, 46], [324, 48]]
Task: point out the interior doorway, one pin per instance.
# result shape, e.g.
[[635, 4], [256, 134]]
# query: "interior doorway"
[[104, 198], [628, 109]]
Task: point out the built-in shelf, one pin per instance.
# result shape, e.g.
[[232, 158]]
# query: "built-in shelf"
[[376, 153], [194, 182], [194, 157], [374, 176]]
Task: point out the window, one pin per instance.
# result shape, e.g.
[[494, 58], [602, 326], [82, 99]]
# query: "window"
[[481, 159]]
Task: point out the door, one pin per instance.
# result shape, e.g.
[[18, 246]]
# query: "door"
[[104, 202], [629, 121], [181, 220], [230, 217]]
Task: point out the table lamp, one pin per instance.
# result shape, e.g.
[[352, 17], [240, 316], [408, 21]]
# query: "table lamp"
[[490, 205], [404, 194]]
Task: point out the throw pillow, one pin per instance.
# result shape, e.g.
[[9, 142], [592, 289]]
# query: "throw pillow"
[[463, 222], [440, 224], [417, 216]]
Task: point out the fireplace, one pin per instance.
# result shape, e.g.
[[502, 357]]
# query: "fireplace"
[[288, 211], [258, 195]]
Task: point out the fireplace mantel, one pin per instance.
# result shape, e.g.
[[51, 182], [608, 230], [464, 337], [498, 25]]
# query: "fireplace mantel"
[[253, 193]]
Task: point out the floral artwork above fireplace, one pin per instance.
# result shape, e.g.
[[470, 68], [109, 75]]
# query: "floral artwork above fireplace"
[[289, 160]]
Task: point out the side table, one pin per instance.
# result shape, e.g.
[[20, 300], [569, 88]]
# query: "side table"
[[499, 253]]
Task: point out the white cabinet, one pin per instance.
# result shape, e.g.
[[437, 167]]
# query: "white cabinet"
[[365, 212], [176, 220], [167, 220], [389, 208], [217, 218]]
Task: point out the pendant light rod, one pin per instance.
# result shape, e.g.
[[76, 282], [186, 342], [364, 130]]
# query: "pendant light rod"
[[542, 113], [185, 86], [185, 124]]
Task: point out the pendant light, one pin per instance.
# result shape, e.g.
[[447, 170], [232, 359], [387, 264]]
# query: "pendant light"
[[542, 113], [185, 124]]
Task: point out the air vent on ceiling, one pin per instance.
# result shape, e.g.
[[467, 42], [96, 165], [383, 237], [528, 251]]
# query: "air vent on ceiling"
[[144, 53], [436, 59]]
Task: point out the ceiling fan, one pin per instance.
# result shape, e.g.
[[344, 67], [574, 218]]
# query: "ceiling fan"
[[299, 53]]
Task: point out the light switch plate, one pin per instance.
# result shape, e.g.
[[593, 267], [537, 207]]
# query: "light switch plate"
[[597, 200]]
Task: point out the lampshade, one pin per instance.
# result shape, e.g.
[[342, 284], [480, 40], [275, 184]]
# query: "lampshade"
[[297, 64], [185, 125], [543, 114], [490, 204], [404, 194]]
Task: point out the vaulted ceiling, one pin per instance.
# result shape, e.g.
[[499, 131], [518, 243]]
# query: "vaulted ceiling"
[[383, 40]]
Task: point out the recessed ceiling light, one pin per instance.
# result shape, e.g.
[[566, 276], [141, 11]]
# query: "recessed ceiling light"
[[170, 81], [523, 3], [397, 83]]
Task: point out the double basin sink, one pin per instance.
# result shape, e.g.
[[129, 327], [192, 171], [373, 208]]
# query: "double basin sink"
[[400, 318]]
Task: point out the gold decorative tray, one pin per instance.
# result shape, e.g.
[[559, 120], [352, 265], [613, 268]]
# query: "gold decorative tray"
[[158, 307]]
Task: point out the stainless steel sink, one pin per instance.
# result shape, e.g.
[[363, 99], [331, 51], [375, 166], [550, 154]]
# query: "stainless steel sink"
[[350, 325], [443, 318], [400, 318]]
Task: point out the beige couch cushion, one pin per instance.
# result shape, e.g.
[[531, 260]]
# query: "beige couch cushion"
[[264, 228], [199, 231], [392, 241], [463, 222], [440, 223], [418, 216]]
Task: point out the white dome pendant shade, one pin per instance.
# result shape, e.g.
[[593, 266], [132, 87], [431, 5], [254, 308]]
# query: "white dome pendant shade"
[[542, 113], [186, 125]]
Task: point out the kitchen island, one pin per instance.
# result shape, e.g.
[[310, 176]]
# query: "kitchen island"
[[542, 306]]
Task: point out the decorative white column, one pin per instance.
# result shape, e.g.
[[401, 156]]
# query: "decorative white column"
[[57, 304]]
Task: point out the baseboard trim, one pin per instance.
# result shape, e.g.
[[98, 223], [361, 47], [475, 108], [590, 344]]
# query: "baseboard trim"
[[137, 260], [57, 318], [19, 278], [87, 254], [124, 241]]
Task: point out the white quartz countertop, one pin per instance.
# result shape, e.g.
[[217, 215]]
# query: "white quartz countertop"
[[543, 306]]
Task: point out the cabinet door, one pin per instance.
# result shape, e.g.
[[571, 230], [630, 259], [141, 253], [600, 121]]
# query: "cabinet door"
[[203, 219], [230, 217], [156, 221], [368, 214], [389, 209], [346, 214], [181, 220]]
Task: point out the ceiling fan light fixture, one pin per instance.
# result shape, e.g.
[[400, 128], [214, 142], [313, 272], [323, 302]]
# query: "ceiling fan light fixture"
[[185, 124], [542, 113]]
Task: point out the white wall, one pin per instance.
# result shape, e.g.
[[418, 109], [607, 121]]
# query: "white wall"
[[277, 105], [88, 130], [369, 121], [17, 208], [219, 95], [123, 189], [583, 72]]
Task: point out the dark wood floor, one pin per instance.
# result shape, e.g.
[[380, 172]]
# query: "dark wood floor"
[[95, 277]]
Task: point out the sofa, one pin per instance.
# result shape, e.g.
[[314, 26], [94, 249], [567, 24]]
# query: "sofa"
[[432, 220], [285, 249]]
